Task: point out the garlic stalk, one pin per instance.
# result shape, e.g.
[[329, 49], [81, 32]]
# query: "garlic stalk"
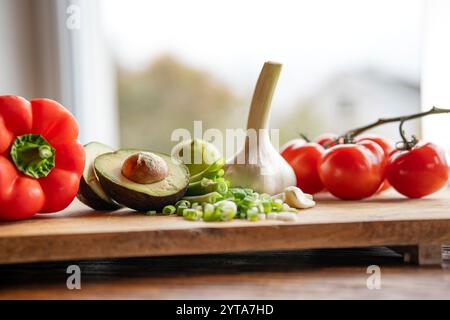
[[258, 165]]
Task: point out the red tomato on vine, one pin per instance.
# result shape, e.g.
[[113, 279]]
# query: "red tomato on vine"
[[304, 159], [419, 171], [353, 171], [387, 146]]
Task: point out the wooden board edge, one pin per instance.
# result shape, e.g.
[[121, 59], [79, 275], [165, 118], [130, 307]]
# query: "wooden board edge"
[[222, 240]]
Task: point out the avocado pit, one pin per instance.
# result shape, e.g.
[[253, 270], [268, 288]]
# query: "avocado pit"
[[140, 179], [145, 168]]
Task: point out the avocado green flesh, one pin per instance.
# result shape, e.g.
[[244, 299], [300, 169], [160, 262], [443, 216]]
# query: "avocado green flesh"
[[140, 196]]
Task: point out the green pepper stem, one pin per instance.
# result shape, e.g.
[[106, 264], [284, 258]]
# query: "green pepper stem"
[[45, 152], [33, 155]]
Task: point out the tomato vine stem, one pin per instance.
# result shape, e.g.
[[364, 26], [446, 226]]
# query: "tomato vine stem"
[[351, 134]]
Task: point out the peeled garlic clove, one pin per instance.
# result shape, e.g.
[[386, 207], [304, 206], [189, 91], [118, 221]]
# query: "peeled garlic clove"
[[295, 198], [309, 196]]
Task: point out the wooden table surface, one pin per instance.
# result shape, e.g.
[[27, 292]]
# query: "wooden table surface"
[[79, 233], [303, 274], [300, 273]]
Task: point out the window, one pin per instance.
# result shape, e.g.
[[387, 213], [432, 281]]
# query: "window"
[[346, 63], [134, 70]]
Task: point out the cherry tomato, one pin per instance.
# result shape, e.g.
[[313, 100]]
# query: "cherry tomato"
[[304, 159], [418, 172], [353, 171], [388, 148], [326, 140], [288, 150]]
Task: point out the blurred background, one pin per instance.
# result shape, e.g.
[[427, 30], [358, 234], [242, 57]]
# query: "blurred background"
[[132, 71]]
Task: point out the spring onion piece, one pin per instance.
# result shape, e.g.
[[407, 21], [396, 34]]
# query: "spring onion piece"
[[192, 214], [238, 193], [220, 173], [180, 209], [267, 206], [252, 214], [185, 203], [277, 205], [226, 209], [208, 198], [209, 172], [265, 197], [242, 203], [208, 212], [151, 213], [206, 186], [168, 210]]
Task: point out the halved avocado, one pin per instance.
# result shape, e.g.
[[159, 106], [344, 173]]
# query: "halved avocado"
[[91, 192], [141, 197]]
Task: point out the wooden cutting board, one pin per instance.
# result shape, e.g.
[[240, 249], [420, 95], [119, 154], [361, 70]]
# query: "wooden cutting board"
[[416, 227]]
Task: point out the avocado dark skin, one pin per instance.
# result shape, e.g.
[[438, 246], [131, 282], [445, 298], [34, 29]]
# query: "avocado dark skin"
[[137, 200], [91, 199]]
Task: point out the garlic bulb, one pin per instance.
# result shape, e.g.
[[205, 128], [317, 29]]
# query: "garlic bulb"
[[258, 165]]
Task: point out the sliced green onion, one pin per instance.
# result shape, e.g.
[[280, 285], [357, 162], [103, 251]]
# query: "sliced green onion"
[[252, 214], [192, 214], [210, 172], [226, 210], [151, 213], [248, 191], [180, 210], [206, 186], [184, 203], [208, 198], [265, 197], [167, 210], [220, 173], [277, 205], [221, 187], [208, 212], [248, 202], [267, 206], [238, 193], [227, 214]]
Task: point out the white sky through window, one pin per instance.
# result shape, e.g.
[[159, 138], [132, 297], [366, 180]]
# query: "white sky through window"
[[231, 39]]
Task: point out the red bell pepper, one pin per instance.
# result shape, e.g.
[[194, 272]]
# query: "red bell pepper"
[[41, 162]]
